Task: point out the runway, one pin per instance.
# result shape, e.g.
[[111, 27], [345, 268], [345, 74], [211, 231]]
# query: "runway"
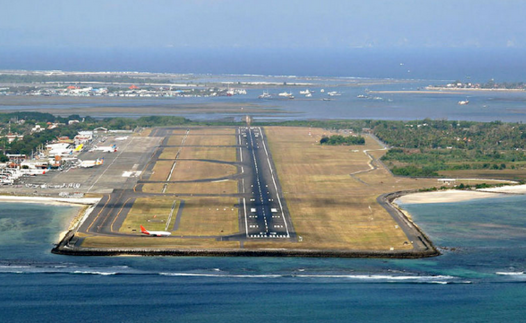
[[263, 213], [264, 210]]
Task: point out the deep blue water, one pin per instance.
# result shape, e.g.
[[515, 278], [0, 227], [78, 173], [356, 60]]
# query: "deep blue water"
[[480, 281], [475, 64]]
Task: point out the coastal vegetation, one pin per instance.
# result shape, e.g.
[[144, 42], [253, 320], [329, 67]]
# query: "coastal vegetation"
[[425, 148], [338, 140], [418, 148]]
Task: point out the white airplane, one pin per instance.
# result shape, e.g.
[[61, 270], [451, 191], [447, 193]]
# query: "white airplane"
[[107, 149], [61, 152], [33, 172], [155, 233], [91, 163]]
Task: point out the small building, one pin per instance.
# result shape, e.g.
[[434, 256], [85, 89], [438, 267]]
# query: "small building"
[[37, 128], [14, 136], [446, 181]]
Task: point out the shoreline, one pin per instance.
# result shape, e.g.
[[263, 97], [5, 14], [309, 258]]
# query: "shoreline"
[[48, 200], [389, 201], [454, 196], [445, 91]]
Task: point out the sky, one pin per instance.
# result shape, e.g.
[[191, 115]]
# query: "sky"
[[263, 24]]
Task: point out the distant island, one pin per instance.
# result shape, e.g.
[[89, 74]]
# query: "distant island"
[[490, 85]]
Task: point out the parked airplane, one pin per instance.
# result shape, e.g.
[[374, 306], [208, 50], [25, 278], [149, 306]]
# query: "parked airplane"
[[91, 163], [107, 149], [155, 233], [61, 152]]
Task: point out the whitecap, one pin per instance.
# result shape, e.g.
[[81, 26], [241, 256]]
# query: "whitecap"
[[102, 273]]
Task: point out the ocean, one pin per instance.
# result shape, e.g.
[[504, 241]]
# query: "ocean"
[[479, 278]]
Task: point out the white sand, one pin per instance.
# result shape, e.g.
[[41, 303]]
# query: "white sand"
[[448, 196], [48, 200], [516, 189]]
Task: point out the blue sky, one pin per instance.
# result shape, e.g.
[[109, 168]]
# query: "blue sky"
[[336, 24]]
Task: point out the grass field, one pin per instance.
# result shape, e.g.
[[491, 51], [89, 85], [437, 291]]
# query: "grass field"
[[196, 170], [200, 216], [220, 187], [161, 170], [175, 140], [208, 216], [151, 212], [211, 153], [209, 140], [157, 243], [213, 131], [331, 209]]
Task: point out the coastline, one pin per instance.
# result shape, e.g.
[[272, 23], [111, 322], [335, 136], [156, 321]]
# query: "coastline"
[[444, 90], [453, 196], [84, 205], [48, 200], [389, 201]]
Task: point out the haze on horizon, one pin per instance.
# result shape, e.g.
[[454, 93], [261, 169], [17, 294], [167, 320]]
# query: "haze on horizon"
[[333, 24]]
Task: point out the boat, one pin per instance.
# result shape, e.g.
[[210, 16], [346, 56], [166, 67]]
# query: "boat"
[[334, 93], [265, 95], [322, 90], [286, 94], [308, 95], [305, 92], [362, 96], [463, 102], [326, 99]]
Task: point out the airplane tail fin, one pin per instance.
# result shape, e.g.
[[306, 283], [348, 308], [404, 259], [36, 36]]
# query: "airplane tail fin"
[[143, 230]]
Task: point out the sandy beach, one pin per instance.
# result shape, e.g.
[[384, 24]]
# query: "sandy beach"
[[48, 200], [449, 196]]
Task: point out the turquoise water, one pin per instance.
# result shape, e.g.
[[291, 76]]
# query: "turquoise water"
[[479, 281]]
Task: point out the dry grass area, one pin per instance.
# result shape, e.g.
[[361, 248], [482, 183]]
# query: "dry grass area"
[[209, 140], [190, 170], [161, 170], [157, 243], [208, 216], [175, 140], [196, 170], [170, 152], [201, 216], [212, 153], [219, 187], [213, 131], [329, 208], [151, 212], [146, 132]]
